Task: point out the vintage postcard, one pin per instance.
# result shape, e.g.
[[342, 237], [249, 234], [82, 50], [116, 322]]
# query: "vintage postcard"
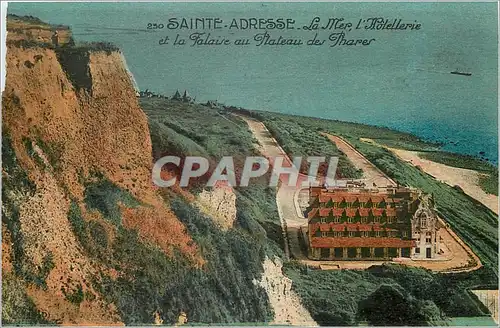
[[303, 164]]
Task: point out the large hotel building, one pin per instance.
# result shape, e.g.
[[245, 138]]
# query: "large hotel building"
[[371, 224]]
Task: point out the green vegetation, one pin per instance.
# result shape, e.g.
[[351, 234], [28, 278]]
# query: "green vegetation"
[[175, 130], [472, 221], [17, 307], [332, 297], [382, 135], [37, 22], [489, 183], [76, 296], [222, 291], [75, 63], [300, 136], [393, 306], [91, 234], [176, 127], [104, 196], [344, 297], [16, 189], [32, 153], [476, 224]]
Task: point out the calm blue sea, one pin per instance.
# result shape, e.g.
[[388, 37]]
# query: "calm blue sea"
[[401, 80]]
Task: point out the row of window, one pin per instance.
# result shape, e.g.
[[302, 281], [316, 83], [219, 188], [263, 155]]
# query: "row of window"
[[403, 234], [356, 205], [363, 219]]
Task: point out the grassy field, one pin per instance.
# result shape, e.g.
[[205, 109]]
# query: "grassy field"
[[333, 297], [299, 135]]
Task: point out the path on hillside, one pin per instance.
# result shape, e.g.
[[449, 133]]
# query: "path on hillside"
[[372, 175], [458, 256], [290, 220]]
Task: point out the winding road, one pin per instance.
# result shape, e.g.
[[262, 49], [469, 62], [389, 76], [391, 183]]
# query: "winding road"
[[457, 257]]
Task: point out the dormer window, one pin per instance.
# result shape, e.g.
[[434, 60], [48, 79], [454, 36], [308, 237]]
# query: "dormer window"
[[423, 222]]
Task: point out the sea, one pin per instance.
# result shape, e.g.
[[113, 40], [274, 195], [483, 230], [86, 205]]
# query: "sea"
[[401, 80]]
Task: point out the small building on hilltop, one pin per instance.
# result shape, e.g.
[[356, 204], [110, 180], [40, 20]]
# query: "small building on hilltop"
[[371, 224], [177, 96]]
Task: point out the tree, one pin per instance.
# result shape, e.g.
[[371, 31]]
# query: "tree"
[[391, 305]]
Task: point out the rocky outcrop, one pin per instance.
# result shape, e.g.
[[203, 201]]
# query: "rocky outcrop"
[[288, 309], [220, 204]]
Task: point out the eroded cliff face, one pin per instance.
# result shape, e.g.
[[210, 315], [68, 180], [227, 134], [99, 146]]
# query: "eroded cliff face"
[[71, 121]]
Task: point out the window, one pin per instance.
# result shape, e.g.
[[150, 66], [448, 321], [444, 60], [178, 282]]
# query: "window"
[[363, 220], [365, 234], [323, 220], [337, 219], [405, 234], [324, 234], [351, 233], [423, 223], [376, 219], [428, 240], [417, 250], [377, 233]]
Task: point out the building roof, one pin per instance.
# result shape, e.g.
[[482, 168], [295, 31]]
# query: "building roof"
[[331, 242], [337, 198], [364, 198], [324, 212], [364, 211], [350, 198], [326, 227], [338, 211], [351, 212], [324, 198]]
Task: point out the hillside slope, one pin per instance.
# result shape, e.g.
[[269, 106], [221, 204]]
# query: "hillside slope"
[[87, 238], [71, 121]]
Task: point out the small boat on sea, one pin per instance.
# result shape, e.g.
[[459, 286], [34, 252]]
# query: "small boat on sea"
[[460, 73]]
